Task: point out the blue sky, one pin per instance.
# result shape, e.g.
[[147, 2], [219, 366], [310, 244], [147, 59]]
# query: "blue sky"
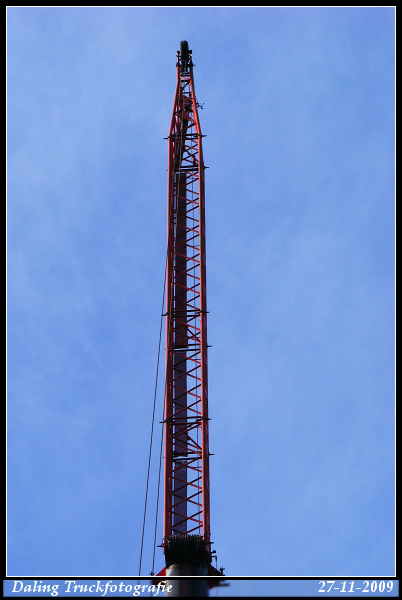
[[299, 117]]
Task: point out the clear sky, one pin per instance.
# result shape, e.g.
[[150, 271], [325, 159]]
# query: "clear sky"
[[299, 117]]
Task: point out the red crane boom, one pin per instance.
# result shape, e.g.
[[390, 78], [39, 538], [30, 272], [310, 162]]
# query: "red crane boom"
[[186, 398], [186, 536]]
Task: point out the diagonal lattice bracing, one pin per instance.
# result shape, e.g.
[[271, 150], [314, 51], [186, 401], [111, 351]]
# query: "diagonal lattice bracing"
[[186, 408]]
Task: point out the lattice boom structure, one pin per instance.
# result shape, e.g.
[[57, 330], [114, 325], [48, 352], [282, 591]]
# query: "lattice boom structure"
[[186, 510]]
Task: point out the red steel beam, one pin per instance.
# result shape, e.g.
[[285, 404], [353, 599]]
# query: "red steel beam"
[[186, 484]]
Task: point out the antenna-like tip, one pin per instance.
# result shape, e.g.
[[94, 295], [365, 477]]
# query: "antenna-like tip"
[[184, 55]]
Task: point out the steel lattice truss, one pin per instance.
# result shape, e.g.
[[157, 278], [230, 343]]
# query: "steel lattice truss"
[[186, 398]]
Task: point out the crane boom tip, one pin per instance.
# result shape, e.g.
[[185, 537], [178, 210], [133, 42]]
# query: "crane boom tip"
[[184, 55]]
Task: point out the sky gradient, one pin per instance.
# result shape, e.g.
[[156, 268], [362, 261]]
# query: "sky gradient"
[[300, 202]]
